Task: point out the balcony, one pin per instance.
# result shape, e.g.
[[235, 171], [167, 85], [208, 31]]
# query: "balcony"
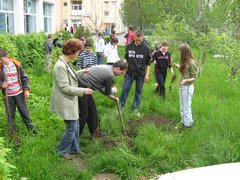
[[79, 13]]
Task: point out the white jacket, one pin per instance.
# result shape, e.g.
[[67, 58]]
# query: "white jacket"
[[111, 53]]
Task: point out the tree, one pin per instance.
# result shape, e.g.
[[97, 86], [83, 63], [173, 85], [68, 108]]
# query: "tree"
[[92, 13], [141, 13]]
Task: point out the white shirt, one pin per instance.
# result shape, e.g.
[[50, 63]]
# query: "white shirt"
[[99, 43], [111, 52]]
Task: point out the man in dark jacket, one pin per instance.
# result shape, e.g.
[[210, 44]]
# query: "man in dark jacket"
[[15, 86], [138, 58]]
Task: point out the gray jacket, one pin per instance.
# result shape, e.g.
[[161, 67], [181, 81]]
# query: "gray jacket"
[[65, 91], [48, 46]]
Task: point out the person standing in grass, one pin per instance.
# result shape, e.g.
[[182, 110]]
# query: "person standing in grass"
[[48, 52], [100, 78], [100, 44], [111, 51], [87, 58], [15, 86], [188, 74], [64, 97], [138, 58], [162, 60]]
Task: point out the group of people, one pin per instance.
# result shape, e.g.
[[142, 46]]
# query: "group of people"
[[71, 97]]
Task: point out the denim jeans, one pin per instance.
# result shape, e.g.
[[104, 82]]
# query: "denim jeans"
[[186, 93], [100, 58], [70, 138], [128, 80]]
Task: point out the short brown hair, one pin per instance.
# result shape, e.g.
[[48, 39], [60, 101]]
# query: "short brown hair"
[[121, 64], [72, 46], [164, 43], [49, 36], [3, 53]]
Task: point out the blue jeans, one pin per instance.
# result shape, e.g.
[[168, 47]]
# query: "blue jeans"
[[100, 58], [70, 138], [128, 80]]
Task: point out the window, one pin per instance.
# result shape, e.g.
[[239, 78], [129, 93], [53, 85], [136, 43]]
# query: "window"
[[106, 13], [106, 4], [65, 4], [76, 5], [76, 23], [47, 18], [6, 16], [29, 16], [114, 4]]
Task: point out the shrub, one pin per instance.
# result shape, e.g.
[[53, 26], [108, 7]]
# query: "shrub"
[[82, 31], [5, 167]]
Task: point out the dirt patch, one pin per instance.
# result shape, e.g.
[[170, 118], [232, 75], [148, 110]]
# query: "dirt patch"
[[106, 176], [158, 121], [108, 143]]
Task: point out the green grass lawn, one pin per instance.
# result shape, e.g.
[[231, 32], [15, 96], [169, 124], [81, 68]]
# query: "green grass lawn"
[[213, 139]]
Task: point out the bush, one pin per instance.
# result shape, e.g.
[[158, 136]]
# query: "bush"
[[82, 31], [5, 167]]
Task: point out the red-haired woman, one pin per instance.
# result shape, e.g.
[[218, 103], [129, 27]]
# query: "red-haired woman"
[[64, 98]]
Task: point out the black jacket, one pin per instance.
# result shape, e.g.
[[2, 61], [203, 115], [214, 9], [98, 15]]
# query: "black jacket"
[[138, 57]]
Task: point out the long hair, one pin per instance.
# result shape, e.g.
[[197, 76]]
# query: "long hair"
[[185, 57]]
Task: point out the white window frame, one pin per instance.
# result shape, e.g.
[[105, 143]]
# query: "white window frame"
[[31, 15], [47, 17], [7, 12], [114, 4], [77, 5]]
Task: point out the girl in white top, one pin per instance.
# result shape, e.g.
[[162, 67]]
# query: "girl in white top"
[[100, 43], [111, 51]]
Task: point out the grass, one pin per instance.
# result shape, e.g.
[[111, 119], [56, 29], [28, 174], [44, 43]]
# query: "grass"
[[212, 140]]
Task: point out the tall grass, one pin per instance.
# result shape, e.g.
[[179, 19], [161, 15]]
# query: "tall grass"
[[212, 140]]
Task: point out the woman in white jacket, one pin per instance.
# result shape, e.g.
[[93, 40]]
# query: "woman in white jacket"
[[111, 51]]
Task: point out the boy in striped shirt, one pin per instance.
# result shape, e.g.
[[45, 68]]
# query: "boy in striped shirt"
[[15, 86]]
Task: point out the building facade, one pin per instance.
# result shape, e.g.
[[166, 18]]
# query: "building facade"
[[98, 15], [27, 16]]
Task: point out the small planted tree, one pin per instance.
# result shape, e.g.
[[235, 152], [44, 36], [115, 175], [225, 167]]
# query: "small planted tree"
[[228, 47], [82, 31]]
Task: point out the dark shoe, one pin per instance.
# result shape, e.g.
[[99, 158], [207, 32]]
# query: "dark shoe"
[[35, 133]]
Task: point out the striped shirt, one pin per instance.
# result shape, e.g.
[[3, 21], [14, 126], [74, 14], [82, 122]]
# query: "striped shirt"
[[86, 60], [11, 75]]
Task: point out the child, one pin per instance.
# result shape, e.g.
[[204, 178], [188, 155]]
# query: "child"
[[111, 51], [188, 74], [15, 85], [162, 60], [87, 58]]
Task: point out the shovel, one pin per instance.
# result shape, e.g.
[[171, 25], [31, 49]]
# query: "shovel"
[[120, 115]]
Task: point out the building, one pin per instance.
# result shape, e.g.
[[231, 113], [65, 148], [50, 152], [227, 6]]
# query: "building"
[[27, 16], [98, 15]]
